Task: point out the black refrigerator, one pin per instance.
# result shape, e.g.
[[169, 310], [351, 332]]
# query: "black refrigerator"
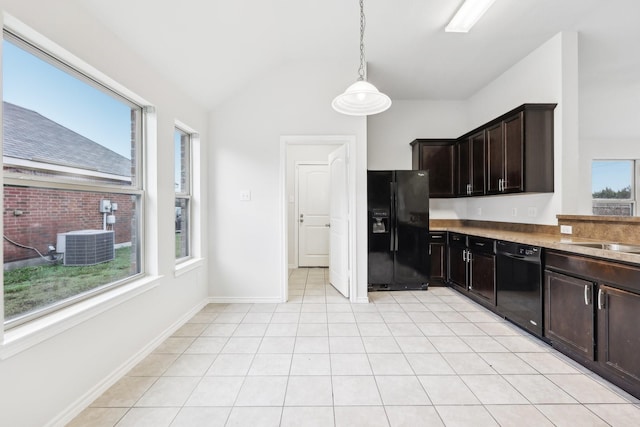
[[398, 230]]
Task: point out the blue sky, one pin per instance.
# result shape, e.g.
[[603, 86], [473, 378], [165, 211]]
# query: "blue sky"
[[615, 174], [33, 83]]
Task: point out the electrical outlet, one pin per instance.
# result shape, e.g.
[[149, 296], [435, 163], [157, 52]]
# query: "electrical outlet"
[[245, 195], [479, 211], [566, 229], [514, 211], [532, 211]]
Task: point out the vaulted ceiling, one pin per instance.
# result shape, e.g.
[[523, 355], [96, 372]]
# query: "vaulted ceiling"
[[212, 48]]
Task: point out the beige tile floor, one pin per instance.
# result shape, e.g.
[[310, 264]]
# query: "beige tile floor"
[[429, 358]]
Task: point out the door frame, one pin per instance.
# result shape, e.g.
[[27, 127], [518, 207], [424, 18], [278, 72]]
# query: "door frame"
[[336, 140], [296, 207]]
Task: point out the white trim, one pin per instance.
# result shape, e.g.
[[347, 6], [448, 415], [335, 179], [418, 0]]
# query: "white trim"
[[187, 266], [25, 336], [350, 141], [244, 300], [96, 391], [17, 27], [361, 300]]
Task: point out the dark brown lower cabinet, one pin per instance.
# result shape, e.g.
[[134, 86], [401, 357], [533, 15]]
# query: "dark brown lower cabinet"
[[458, 266], [618, 335], [472, 266], [592, 314], [482, 281], [569, 314], [438, 253]]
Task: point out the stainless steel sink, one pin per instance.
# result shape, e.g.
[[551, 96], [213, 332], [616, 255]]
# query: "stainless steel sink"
[[617, 247]]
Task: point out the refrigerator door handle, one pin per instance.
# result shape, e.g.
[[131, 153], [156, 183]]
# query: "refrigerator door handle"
[[392, 218], [396, 236]]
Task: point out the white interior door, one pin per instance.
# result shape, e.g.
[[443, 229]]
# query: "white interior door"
[[339, 220], [313, 215]]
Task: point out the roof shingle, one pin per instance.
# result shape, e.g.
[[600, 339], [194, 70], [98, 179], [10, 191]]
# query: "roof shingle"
[[31, 136]]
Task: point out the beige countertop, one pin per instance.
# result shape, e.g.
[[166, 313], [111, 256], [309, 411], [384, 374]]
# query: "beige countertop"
[[559, 242]]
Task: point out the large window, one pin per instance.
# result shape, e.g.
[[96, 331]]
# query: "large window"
[[182, 183], [614, 187], [72, 184]]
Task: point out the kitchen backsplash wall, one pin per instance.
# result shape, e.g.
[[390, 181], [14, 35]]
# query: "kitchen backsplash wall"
[[607, 228]]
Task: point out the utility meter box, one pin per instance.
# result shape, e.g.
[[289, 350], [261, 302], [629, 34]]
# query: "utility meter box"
[[105, 206]]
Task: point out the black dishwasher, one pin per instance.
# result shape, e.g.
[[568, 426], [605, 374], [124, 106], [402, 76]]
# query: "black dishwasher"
[[519, 285]]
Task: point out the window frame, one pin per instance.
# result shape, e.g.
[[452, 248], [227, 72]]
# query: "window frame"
[[61, 59], [188, 194], [632, 201]]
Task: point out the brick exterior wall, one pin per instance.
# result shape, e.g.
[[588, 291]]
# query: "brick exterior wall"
[[34, 217]]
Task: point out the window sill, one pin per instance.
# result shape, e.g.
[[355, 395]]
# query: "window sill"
[[32, 333], [187, 266]]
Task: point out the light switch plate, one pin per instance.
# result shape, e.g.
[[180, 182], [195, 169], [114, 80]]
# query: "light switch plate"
[[566, 229], [245, 195]]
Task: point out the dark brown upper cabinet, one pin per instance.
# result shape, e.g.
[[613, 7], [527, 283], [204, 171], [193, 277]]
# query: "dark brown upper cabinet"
[[438, 157], [510, 154], [520, 151], [471, 164]]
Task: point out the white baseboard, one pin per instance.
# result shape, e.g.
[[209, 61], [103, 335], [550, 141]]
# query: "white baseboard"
[[361, 300], [240, 300], [84, 401]]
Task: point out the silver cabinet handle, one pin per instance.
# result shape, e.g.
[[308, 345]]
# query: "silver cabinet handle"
[[328, 225], [600, 299], [464, 256], [586, 294]]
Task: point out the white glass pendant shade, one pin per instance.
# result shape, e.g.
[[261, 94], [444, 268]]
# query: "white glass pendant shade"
[[361, 99]]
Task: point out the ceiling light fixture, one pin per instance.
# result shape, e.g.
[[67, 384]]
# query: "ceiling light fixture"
[[361, 98], [467, 16]]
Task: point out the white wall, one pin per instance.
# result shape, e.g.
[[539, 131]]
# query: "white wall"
[[609, 129], [546, 75], [51, 380], [390, 133], [246, 239]]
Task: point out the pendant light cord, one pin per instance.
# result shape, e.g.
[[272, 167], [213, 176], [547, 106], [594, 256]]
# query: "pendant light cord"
[[362, 25]]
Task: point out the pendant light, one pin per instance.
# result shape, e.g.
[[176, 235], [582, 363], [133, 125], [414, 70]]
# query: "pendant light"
[[361, 98]]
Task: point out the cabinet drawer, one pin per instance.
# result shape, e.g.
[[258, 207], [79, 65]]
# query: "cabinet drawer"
[[482, 244], [614, 273], [458, 240]]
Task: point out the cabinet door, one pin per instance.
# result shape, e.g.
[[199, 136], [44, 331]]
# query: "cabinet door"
[[513, 149], [495, 159], [457, 266], [438, 264], [438, 159], [482, 280], [463, 153], [477, 163], [618, 336], [569, 314]]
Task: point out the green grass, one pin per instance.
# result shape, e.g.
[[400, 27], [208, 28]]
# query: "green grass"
[[30, 288]]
